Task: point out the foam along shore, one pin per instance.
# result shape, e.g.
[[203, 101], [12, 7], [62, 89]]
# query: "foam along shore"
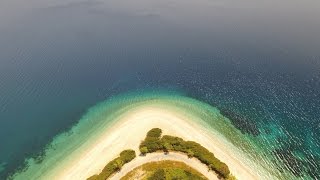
[[85, 150]]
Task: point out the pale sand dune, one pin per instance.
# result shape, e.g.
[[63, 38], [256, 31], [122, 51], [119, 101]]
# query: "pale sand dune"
[[131, 128]]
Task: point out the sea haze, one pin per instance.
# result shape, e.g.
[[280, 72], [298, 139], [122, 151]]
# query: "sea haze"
[[257, 61]]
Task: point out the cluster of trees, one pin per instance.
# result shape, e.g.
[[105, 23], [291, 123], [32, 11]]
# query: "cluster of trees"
[[154, 142], [115, 165]]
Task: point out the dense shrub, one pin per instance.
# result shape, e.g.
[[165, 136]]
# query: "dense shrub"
[[94, 177], [115, 165], [155, 132], [144, 150], [153, 143], [127, 155]]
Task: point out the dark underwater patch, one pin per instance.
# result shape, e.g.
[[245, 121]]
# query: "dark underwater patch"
[[245, 125], [293, 164], [309, 166]]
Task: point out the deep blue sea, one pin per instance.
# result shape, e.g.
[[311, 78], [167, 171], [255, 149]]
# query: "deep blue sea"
[[256, 61]]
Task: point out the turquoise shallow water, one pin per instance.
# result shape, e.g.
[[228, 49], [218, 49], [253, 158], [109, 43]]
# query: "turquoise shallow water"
[[66, 146], [258, 63]]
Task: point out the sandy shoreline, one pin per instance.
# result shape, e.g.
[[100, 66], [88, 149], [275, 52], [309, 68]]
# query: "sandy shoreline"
[[132, 127]]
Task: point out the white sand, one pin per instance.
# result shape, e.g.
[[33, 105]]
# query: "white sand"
[[132, 127]]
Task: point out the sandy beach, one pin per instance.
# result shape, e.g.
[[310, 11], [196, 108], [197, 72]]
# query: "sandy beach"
[[132, 127]]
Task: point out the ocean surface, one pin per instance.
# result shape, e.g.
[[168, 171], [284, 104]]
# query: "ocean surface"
[[258, 62]]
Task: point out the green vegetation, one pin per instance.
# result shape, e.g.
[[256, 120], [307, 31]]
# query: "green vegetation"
[[164, 170], [159, 174], [153, 142], [115, 165], [173, 173]]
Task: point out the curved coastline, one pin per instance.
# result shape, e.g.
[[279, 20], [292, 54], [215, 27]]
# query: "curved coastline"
[[122, 122]]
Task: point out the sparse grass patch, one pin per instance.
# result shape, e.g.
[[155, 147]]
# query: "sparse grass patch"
[[165, 170]]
